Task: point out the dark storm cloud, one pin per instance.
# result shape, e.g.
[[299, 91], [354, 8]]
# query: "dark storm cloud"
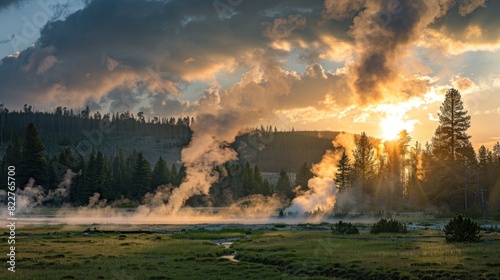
[[158, 44], [8, 3], [384, 31], [120, 52], [381, 31]]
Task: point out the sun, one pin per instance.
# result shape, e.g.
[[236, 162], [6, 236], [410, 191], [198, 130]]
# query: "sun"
[[391, 126]]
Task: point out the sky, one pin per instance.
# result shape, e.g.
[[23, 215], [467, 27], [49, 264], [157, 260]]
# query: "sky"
[[377, 66]]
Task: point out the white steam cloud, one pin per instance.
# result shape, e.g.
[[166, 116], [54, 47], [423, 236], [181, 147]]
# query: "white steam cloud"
[[321, 197]]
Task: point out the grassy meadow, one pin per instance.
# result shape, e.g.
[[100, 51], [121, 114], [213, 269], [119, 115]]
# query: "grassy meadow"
[[64, 252]]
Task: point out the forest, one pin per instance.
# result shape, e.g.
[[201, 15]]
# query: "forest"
[[443, 174]]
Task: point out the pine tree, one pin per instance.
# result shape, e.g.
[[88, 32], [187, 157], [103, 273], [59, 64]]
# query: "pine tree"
[[160, 175], [11, 158], [450, 137], [141, 177], [303, 176], [258, 182], [483, 157], [453, 155], [119, 177], [283, 185], [404, 140], [344, 170], [496, 153], [102, 175], [247, 180], [33, 163], [90, 185], [179, 178], [364, 166], [96, 177], [13, 154]]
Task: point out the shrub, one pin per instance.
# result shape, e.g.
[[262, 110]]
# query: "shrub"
[[344, 228], [388, 226], [462, 229]]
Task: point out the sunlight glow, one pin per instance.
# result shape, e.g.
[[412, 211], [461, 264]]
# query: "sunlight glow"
[[390, 128]]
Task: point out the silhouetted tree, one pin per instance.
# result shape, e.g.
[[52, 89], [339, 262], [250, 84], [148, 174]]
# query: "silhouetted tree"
[[12, 157], [161, 174], [247, 180], [33, 163], [404, 140], [451, 135], [283, 185], [344, 172], [364, 166], [303, 176], [257, 180], [141, 177], [453, 155], [13, 154]]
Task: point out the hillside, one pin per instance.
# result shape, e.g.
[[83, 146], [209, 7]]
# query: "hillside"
[[165, 137]]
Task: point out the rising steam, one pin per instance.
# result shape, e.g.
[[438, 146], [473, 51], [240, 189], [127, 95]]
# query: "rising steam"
[[222, 118], [322, 194], [33, 195]]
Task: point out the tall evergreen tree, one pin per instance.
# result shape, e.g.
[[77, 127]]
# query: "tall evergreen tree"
[[454, 157], [303, 176], [13, 154], [364, 165], [12, 157], [483, 156], [496, 153], [119, 177], [141, 177], [344, 170], [96, 177], [33, 163], [247, 180], [258, 181], [181, 174], [404, 140], [284, 185], [160, 175], [451, 136]]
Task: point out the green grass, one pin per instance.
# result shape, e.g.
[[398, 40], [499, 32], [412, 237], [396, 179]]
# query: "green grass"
[[265, 255], [211, 234]]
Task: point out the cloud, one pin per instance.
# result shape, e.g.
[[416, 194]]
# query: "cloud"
[[8, 3], [462, 83], [155, 45], [343, 9], [469, 26], [283, 27], [140, 55], [469, 6]]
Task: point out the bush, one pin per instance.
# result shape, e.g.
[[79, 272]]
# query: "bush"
[[344, 228], [388, 226], [462, 229]]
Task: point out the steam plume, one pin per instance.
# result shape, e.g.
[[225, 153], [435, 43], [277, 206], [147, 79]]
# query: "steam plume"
[[223, 117], [383, 32], [322, 194]]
